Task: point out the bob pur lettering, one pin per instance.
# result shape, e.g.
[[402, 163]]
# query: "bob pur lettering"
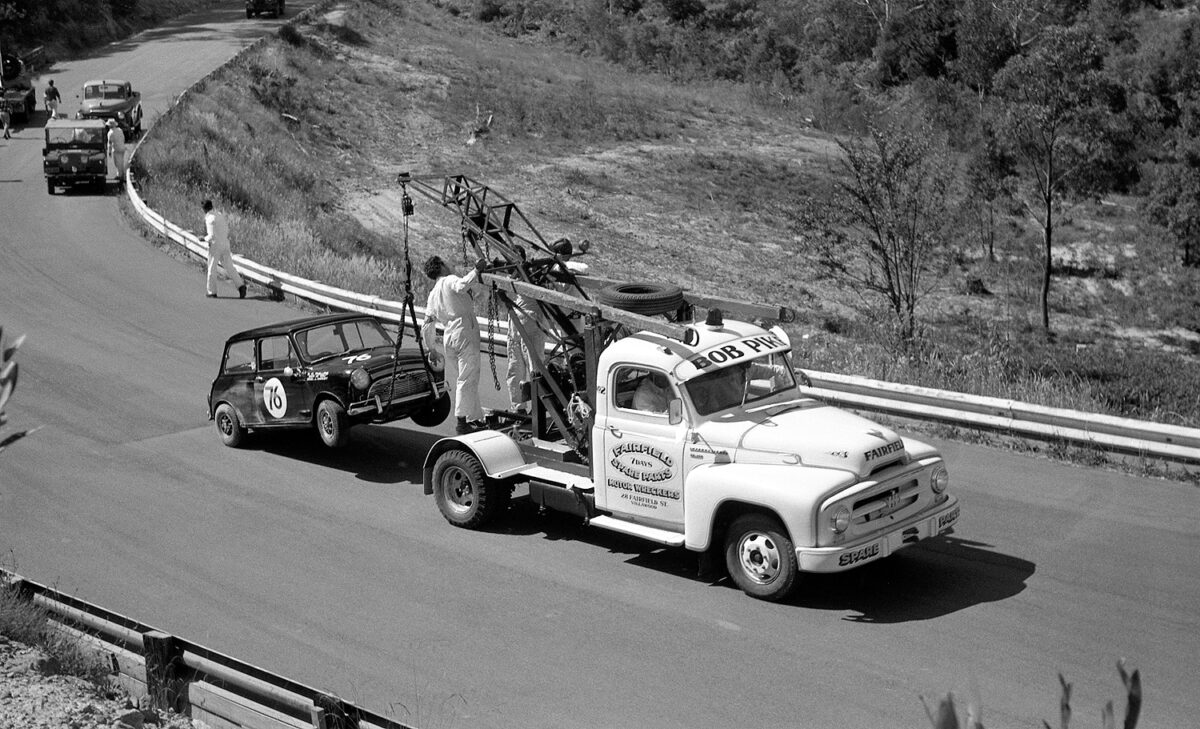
[[748, 347]]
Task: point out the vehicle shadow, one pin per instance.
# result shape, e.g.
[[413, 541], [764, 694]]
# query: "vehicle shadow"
[[928, 580], [375, 453]]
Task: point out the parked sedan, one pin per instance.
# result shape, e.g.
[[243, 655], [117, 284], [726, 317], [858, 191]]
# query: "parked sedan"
[[325, 372]]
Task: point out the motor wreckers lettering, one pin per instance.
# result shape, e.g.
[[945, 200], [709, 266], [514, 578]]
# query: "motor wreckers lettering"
[[881, 451], [642, 462], [638, 491], [748, 347]]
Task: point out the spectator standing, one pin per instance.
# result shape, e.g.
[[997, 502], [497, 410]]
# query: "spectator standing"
[[451, 303], [5, 119], [52, 98], [217, 236], [116, 148]]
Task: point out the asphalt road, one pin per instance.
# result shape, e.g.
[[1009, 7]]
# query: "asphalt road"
[[334, 570]]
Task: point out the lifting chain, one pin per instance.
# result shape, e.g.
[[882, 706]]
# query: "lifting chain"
[[492, 317]]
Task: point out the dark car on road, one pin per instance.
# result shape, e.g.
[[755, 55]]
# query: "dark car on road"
[[327, 372], [74, 153], [254, 7]]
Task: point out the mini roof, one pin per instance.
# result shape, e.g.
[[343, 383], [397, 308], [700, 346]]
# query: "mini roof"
[[292, 325]]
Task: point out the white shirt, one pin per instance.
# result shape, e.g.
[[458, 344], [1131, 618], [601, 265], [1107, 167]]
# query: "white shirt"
[[450, 302], [116, 139], [217, 228]]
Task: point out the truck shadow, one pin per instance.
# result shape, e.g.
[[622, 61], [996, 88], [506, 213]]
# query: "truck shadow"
[[937, 577], [375, 453]]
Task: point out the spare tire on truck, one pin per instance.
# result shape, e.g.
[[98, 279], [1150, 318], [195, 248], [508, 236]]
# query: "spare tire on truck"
[[642, 298]]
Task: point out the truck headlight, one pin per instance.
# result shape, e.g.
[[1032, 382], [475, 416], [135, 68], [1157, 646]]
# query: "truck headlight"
[[360, 380], [840, 519], [939, 480]]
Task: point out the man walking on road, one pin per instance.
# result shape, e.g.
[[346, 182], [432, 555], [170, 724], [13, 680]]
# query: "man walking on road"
[[52, 100], [451, 303], [116, 148], [217, 238]]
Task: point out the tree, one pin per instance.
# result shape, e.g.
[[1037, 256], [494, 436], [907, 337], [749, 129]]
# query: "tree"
[[1056, 118], [1174, 199], [884, 231]]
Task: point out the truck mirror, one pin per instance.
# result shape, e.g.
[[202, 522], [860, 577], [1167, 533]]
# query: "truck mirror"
[[675, 411]]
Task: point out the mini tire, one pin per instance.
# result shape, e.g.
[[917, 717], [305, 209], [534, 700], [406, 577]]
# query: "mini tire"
[[760, 557], [433, 414], [642, 298], [464, 494], [229, 427], [332, 424], [50, 188]]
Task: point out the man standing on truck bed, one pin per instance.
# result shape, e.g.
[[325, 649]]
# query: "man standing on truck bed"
[[451, 303]]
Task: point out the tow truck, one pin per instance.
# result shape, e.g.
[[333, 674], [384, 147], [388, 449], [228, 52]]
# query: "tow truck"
[[16, 87], [739, 462]]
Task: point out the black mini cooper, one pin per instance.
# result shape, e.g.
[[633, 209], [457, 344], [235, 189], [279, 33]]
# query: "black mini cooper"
[[328, 372]]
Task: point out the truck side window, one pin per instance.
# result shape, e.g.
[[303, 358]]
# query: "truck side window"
[[641, 389], [239, 357], [275, 353]]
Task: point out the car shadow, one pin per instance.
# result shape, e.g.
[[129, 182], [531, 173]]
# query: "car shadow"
[[937, 577], [374, 453]]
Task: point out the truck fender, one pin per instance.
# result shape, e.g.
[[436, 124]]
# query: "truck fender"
[[792, 493], [496, 452]]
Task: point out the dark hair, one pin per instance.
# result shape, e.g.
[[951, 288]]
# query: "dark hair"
[[207, 205], [433, 266]]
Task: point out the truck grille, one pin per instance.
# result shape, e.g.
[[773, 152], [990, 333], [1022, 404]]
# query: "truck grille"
[[884, 503], [404, 384]]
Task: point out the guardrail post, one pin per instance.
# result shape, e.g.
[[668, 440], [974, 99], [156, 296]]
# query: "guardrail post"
[[166, 674], [333, 713]]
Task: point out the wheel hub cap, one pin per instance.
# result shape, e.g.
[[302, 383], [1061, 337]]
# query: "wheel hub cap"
[[759, 557]]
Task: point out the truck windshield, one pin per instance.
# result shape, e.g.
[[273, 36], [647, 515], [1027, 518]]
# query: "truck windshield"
[[106, 91], [74, 136], [742, 383], [331, 340]]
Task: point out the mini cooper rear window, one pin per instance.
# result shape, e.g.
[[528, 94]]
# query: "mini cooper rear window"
[[240, 357]]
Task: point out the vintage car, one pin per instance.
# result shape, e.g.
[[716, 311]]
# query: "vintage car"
[[113, 99], [254, 7], [328, 372], [16, 90], [74, 153]]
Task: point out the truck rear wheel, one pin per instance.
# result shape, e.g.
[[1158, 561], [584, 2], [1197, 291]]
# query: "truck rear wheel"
[[760, 557], [463, 492]]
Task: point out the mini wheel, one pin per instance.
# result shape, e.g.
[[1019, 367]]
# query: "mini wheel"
[[434, 414], [50, 187], [464, 494], [760, 557], [332, 424], [230, 429]]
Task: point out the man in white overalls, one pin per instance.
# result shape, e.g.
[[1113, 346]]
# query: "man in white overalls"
[[451, 303]]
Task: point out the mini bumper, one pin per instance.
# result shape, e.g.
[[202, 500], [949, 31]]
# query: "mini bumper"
[[845, 556]]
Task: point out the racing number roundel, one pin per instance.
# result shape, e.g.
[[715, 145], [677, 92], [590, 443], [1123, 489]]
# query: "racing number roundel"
[[274, 398]]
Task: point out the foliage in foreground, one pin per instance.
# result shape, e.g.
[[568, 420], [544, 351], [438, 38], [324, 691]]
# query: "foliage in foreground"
[[945, 716], [26, 622]]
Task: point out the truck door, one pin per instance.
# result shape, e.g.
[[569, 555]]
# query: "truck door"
[[639, 466]]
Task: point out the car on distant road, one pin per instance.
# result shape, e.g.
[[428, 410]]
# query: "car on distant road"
[[113, 99], [74, 153], [17, 93], [327, 372], [255, 7]]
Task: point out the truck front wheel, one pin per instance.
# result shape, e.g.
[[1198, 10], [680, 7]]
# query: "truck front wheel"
[[463, 493], [760, 557]]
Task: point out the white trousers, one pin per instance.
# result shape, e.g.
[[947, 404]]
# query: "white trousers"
[[521, 352], [462, 347], [219, 254]]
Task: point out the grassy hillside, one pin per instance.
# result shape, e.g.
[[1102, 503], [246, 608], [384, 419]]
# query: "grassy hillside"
[[691, 183]]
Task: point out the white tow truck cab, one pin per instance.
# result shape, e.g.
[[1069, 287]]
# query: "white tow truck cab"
[[650, 420], [737, 459]]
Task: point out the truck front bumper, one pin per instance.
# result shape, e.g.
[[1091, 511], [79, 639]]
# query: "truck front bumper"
[[845, 556]]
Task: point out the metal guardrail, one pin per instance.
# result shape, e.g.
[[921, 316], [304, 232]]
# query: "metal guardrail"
[[1108, 433], [174, 674]]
